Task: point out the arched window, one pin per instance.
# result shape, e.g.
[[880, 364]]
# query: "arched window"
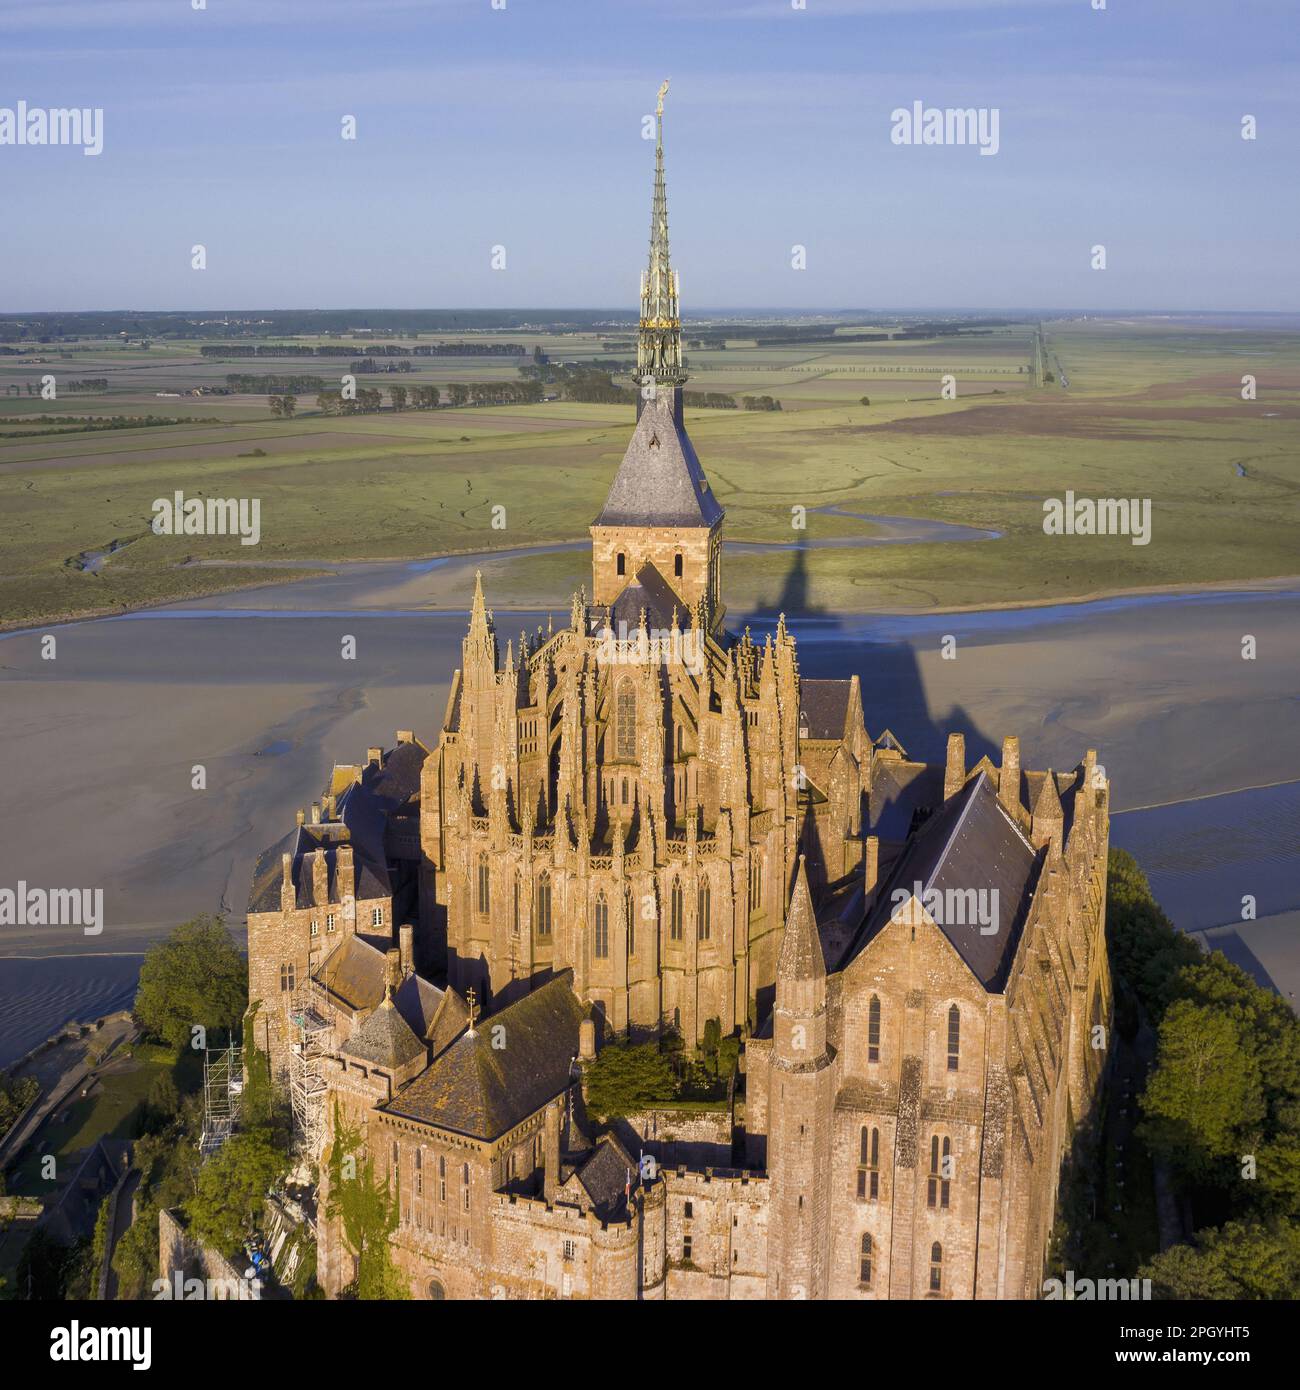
[[936, 1268], [419, 1171], [542, 916], [675, 918], [869, 1165], [755, 881], [622, 563], [954, 1037], [484, 885], [436, 1291], [702, 904], [625, 715], [624, 791], [864, 1262], [873, 1029], [677, 734], [629, 911], [600, 924], [940, 1171], [514, 911], [677, 564]]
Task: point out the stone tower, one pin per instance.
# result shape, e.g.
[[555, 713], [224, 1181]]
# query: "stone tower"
[[660, 509], [801, 1105]]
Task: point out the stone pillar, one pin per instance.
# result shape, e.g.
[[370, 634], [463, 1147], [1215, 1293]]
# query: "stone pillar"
[[1009, 776]]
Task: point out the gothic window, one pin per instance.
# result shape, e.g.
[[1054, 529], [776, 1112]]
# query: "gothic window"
[[626, 718], [873, 1029], [514, 911], [954, 1037], [869, 1165], [755, 882], [864, 1263], [629, 910], [600, 934], [484, 885], [543, 913], [677, 564], [675, 919], [678, 736], [622, 563], [936, 1268], [288, 978], [703, 926], [936, 1192], [624, 791]]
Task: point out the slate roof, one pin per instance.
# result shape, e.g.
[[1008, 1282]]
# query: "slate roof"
[[363, 811], [355, 973], [604, 1176], [898, 790], [970, 843], [824, 707], [660, 481], [647, 590], [801, 950], [482, 1091], [385, 1038]]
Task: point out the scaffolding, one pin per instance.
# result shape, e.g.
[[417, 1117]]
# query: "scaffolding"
[[223, 1092], [309, 1015]]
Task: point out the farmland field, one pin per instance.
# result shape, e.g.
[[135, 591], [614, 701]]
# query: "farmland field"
[[1153, 409]]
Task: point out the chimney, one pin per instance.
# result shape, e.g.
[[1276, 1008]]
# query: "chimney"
[[344, 876], [320, 893], [315, 813], [406, 947], [405, 736], [1009, 777], [551, 1152], [393, 967], [587, 1040], [375, 756], [954, 769], [288, 897], [871, 868], [300, 817]]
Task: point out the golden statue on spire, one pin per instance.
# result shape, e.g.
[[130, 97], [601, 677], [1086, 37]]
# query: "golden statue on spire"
[[663, 92]]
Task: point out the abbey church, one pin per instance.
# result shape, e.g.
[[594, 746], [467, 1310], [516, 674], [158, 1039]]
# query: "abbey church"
[[646, 823]]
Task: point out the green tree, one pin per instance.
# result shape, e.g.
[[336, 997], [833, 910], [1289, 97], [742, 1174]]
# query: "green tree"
[[233, 1184], [627, 1077], [398, 396], [276, 405], [1239, 1261], [288, 404], [195, 976], [458, 392], [1203, 1099], [366, 1213]]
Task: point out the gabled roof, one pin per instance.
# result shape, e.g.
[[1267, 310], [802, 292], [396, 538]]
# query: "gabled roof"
[[824, 707], [898, 791], [660, 481], [481, 1090], [604, 1178], [970, 843], [651, 592]]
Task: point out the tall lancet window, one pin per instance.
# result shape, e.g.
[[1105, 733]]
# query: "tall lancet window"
[[702, 905], [625, 718], [600, 925], [484, 885], [542, 912]]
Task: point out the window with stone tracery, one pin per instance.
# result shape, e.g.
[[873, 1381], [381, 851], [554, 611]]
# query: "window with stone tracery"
[[625, 717]]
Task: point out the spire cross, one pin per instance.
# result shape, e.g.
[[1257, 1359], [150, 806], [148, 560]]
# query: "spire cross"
[[472, 1000]]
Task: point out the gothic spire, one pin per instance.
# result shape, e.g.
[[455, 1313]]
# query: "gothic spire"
[[659, 343]]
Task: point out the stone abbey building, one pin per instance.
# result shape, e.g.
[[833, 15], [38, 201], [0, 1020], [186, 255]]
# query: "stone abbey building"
[[642, 822]]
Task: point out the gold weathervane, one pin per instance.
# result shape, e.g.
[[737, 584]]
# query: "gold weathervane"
[[663, 92]]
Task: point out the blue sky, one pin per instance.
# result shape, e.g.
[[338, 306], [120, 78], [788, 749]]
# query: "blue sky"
[[521, 127]]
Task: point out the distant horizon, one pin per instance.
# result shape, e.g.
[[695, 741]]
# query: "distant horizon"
[[707, 313]]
